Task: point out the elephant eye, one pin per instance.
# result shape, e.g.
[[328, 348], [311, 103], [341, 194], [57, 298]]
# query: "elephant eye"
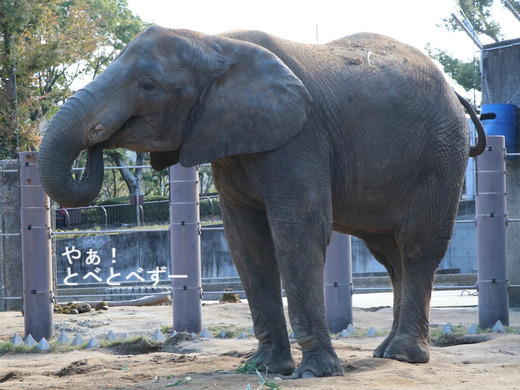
[[147, 84]]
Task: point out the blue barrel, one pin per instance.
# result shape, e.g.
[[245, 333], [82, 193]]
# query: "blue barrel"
[[500, 119]]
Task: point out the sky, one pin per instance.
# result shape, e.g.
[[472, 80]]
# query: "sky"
[[415, 22]]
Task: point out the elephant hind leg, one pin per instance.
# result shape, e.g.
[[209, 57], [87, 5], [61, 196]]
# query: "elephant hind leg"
[[385, 249], [421, 253]]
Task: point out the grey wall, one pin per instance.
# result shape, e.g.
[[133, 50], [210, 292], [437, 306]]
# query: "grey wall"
[[149, 251], [501, 84]]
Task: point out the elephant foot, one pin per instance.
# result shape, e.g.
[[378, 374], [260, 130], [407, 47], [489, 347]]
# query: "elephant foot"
[[276, 361], [404, 350], [317, 364], [379, 352]]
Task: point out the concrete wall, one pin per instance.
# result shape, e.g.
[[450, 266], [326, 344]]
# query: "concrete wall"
[[147, 254], [10, 246], [501, 84]]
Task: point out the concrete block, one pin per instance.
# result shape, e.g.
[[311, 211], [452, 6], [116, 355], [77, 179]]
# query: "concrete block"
[[43, 345], [158, 336], [64, 338], [78, 340], [16, 339], [29, 341]]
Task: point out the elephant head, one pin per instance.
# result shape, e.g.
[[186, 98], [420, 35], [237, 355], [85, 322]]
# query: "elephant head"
[[183, 96]]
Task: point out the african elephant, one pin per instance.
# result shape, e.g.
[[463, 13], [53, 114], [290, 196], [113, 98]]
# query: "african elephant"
[[361, 135]]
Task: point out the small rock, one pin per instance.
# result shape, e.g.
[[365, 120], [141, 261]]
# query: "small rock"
[[84, 308], [230, 297], [101, 306]]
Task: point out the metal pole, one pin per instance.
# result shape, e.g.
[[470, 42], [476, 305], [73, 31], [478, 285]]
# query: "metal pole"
[[513, 11], [338, 282], [185, 249], [36, 250], [491, 221], [15, 97]]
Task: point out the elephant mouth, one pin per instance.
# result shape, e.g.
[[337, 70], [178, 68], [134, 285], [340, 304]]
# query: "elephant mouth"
[[125, 136], [140, 135]]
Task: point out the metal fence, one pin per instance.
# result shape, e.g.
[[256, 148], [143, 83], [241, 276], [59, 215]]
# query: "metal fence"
[[129, 215], [142, 214]]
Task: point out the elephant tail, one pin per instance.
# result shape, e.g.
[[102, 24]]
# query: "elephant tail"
[[474, 150]]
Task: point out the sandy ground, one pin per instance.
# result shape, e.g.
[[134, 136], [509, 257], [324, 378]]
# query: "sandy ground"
[[494, 362]]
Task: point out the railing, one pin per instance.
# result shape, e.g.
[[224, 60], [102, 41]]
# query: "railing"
[[126, 215]]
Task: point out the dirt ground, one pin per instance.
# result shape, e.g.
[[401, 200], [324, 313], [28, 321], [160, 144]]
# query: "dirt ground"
[[492, 362]]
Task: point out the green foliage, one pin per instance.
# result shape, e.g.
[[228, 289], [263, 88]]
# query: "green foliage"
[[466, 74], [479, 14], [55, 43], [206, 185]]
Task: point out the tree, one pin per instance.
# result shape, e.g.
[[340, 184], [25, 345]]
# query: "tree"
[[133, 180], [55, 43], [479, 13]]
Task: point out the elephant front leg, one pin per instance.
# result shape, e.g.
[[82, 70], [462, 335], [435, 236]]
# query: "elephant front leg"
[[300, 249], [252, 249]]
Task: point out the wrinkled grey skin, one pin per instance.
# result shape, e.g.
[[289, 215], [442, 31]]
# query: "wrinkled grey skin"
[[361, 135]]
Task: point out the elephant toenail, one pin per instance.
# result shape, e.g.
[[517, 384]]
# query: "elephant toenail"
[[308, 374]]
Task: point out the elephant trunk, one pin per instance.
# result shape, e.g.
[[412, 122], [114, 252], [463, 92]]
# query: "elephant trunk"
[[65, 138]]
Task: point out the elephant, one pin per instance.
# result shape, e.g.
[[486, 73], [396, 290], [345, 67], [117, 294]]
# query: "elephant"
[[362, 135]]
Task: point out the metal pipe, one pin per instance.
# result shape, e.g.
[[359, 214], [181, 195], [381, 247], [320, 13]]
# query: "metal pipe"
[[491, 221], [513, 11], [112, 295], [473, 36], [338, 282], [185, 248], [96, 232], [105, 215], [36, 250]]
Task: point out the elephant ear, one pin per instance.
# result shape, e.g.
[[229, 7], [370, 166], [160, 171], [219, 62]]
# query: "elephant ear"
[[162, 160], [256, 104]]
